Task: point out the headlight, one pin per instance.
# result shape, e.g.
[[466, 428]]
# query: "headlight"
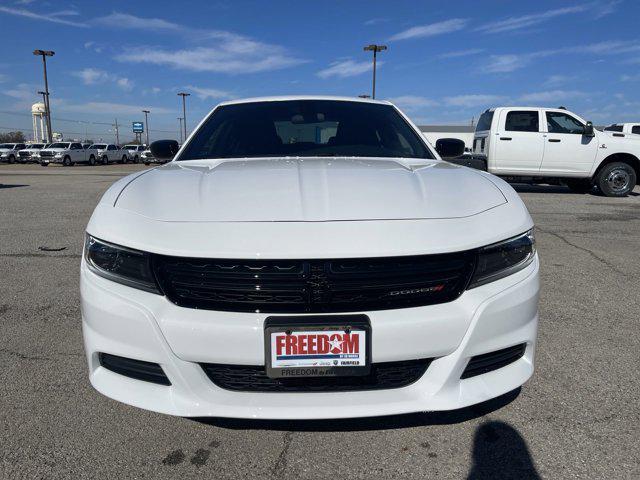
[[120, 264], [505, 258], [59, 154]]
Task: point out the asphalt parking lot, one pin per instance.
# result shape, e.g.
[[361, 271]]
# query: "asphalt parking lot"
[[577, 418]]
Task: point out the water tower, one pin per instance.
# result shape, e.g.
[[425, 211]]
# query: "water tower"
[[39, 118]]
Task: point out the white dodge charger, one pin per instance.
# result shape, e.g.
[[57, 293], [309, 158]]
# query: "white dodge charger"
[[308, 257]]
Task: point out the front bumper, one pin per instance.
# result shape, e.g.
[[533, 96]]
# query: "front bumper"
[[122, 321]]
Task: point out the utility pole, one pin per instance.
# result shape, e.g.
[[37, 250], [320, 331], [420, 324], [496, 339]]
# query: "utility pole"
[[146, 123], [184, 112], [117, 133], [47, 106], [180, 130], [375, 49]]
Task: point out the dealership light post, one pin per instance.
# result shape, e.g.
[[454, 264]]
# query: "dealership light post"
[[180, 130], [47, 106], [375, 49], [146, 123], [184, 112]]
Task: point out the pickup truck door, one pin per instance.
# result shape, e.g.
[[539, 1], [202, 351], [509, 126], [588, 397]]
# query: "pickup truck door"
[[77, 152], [567, 149], [519, 145]]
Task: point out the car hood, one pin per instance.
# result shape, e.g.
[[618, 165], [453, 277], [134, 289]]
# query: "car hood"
[[54, 150], [309, 189]]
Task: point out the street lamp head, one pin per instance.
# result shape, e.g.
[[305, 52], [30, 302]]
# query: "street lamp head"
[[184, 94], [375, 48], [146, 111], [46, 53], [42, 93]]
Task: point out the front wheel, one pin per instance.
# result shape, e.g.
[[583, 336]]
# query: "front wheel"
[[617, 179], [12, 159], [136, 159], [92, 160], [124, 159], [44, 164], [105, 160], [66, 161]]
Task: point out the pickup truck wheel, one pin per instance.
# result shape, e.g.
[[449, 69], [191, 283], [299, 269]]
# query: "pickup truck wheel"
[[66, 161], [44, 164], [105, 160], [11, 159], [147, 163], [616, 179], [92, 160], [579, 185], [136, 159], [124, 159]]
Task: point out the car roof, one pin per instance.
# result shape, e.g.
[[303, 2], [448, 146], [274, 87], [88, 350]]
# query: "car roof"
[[286, 98]]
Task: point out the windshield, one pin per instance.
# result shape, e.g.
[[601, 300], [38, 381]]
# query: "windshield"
[[130, 147], [7, 145], [484, 122], [100, 146], [305, 128], [35, 145], [59, 145]]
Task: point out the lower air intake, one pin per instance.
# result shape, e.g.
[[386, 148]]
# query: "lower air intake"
[[250, 378], [147, 371], [488, 362]]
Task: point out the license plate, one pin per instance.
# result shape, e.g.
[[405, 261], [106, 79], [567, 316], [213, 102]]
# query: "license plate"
[[317, 346]]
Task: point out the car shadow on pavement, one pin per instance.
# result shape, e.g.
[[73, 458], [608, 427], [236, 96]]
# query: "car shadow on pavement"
[[367, 423], [15, 185], [499, 451]]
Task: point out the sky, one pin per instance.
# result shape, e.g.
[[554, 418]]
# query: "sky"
[[447, 61]]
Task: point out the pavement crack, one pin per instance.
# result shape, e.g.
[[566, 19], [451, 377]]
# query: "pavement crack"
[[37, 255], [20, 355], [586, 250], [281, 463]]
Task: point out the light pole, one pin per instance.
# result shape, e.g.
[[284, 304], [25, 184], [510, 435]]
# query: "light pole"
[[184, 112], [146, 123], [375, 49], [47, 106], [180, 130]]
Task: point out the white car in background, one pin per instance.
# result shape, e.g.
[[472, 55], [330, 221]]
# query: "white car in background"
[[9, 151], [624, 128], [326, 263], [66, 153], [147, 157], [548, 145], [106, 153], [135, 151], [30, 153]]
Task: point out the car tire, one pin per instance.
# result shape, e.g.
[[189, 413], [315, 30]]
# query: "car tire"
[[616, 179], [105, 160], [124, 159], [44, 164], [66, 161], [136, 159], [147, 163], [92, 160], [579, 185], [11, 159]]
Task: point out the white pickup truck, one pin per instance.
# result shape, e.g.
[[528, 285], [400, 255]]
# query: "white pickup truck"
[[109, 152], [9, 151], [66, 153], [623, 128], [548, 145]]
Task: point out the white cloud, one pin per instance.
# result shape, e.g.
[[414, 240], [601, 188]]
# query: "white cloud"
[[93, 76], [205, 93], [22, 91], [550, 96], [630, 78], [439, 28], [46, 17], [126, 21], [505, 63], [3, 77], [473, 100], [412, 102], [110, 108], [346, 68], [557, 80], [375, 21], [516, 23], [461, 53]]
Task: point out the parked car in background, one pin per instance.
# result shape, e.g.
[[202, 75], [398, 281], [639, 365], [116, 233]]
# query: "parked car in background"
[[327, 263], [9, 151], [66, 153], [624, 128], [551, 145], [135, 151], [28, 154], [147, 157], [109, 152]]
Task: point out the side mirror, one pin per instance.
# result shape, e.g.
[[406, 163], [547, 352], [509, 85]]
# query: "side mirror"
[[588, 129], [164, 149], [449, 147]]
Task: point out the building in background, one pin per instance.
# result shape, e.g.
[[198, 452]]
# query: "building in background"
[[39, 118], [461, 132]]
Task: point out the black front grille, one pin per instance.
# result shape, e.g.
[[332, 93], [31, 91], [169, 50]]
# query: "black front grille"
[[24, 154], [249, 378], [488, 362], [314, 286], [47, 154]]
